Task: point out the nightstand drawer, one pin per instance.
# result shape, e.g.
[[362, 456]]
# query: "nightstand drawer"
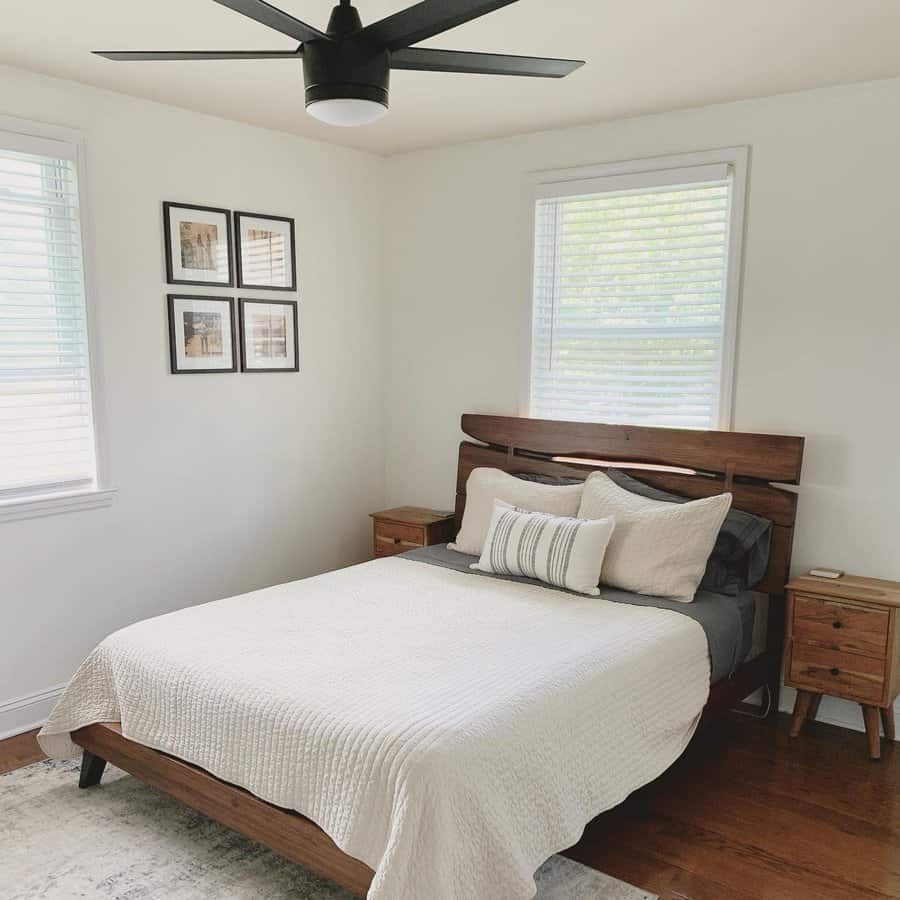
[[840, 626], [405, 528], [826, 671], [392, 538]]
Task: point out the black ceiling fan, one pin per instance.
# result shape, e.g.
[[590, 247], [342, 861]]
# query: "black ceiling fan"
[[346, 68]]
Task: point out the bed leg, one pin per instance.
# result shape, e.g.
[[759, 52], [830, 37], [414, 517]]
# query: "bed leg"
[[773, 691], [91, 770]]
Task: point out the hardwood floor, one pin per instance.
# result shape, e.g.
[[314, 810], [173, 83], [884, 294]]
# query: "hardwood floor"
[[745, 814], [748, 812]]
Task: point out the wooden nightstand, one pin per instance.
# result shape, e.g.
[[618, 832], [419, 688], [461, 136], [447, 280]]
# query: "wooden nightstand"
[[842, 640], [408, 527]]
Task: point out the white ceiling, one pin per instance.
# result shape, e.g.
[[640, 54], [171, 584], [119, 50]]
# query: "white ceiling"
[[643, 56]]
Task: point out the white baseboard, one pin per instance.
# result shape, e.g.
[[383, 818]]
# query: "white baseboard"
[[842, 713], [23, 714]]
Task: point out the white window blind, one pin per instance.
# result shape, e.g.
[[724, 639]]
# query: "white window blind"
[[630, 311], [46, 430]]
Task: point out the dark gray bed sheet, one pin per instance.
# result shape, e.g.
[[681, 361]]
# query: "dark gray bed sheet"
[[726, 621]]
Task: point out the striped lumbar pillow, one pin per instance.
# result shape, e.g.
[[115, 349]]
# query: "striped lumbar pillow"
[[564, 552]]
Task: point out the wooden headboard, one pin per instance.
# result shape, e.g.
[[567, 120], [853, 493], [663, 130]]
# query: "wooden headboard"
[[691, 463]]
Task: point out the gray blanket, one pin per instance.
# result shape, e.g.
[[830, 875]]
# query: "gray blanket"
[[726, 621]]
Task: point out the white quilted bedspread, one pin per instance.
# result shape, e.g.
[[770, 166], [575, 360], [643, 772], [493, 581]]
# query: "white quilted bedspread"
[[450, 730]]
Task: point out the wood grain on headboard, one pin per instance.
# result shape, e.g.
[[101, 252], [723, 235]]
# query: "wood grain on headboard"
[[768, 457]]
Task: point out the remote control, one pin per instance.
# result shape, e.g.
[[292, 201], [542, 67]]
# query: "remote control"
[[826, 573]]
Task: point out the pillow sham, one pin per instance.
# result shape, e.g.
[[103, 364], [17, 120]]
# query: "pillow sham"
[[657, 548], [740, 556], [562, 551], [486, 485]]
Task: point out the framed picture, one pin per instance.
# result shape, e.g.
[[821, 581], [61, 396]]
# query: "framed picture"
[[201, 334], [198, 244], [270, 336], [266, 252]]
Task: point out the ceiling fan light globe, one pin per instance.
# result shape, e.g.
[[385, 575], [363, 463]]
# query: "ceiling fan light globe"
[[347, 112]]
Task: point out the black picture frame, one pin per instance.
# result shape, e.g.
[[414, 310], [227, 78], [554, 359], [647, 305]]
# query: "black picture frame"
[[243, 285], [243, 303], [168, 206], [175, 369]]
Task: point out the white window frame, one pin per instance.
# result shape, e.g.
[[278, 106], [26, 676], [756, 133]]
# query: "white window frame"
[[39, 137], [637, 173]]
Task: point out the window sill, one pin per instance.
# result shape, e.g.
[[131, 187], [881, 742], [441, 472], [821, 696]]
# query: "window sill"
[[54, 504]]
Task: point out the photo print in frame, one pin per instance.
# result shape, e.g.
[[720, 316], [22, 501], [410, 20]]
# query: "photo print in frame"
[[266, 252], [202, 336], [198, 245], [270, 336]]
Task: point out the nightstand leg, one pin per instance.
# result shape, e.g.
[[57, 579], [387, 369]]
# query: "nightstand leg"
[[887, 720], [873, 732], [814, 707], [801, 709]]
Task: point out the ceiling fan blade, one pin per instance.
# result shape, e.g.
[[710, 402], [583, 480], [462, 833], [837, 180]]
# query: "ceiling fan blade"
[[141, 55], [266, 14], [426, 59], [426, 19]]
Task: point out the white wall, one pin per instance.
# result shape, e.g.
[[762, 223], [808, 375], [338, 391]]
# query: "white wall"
[[818, 335], [228, 482]]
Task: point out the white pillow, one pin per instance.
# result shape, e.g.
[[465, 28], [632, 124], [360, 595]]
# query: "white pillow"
[[484, 486], [658, 548], [564, 552]]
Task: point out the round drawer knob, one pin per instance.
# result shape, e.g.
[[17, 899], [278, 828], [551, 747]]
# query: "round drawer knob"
[[837, 624], [835, 671]]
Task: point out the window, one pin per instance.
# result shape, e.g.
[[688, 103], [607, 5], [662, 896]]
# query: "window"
[[636, 273], [46, 423]]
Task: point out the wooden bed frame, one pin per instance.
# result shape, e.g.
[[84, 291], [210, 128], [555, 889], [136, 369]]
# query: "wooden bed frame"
[[691, 463]]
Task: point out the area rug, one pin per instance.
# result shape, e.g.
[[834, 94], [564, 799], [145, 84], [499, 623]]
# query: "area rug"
[[126, 841]]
